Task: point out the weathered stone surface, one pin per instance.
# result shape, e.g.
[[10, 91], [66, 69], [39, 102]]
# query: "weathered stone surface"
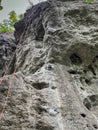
[[55, 86], [7, 48]]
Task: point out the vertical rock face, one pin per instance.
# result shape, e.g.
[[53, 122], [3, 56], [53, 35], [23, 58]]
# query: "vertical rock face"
[[7, 48], [55, 84]]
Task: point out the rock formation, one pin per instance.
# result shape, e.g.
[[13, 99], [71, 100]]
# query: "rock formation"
[[7, 48], [54, 82]]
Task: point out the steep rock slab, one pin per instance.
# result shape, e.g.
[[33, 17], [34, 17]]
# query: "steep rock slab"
[[55, 84]]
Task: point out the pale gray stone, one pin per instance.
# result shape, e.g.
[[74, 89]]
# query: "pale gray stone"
[[55, 84]]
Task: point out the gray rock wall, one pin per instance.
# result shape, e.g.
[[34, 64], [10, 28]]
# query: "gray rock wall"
[[55, 84], [7, 52]]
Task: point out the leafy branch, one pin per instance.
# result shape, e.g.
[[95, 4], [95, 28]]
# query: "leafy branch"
[[8, 24]]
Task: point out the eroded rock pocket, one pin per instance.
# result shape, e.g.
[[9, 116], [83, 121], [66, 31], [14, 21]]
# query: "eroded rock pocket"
[[75, 59], [91, 102], [40, 85]]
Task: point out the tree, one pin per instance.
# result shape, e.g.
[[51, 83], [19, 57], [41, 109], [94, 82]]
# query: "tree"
[[0, 5], [8, 24]]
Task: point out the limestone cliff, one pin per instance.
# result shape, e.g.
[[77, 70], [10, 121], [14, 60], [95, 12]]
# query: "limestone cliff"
[[54, 84]]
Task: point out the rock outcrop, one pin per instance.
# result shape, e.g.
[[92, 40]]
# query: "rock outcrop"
[[7, 48], [55, 81]]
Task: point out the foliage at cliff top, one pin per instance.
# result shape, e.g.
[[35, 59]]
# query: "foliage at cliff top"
[[89, 1], [0, 5], [8, 24]]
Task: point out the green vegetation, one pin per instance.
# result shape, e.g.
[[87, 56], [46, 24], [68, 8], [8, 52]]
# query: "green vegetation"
[[0, 5], [89, 1], [8, 24]]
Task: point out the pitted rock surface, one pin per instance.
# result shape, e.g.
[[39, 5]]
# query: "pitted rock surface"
[[55, 86]]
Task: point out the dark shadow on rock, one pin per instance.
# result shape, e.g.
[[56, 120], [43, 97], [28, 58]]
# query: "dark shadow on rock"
[[33, 17]]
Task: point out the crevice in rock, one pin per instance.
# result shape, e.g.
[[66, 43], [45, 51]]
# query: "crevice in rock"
[[72, 71], [40, 33]]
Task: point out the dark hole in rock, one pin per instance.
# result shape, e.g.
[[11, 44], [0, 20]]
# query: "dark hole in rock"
[[87, 103], [88, 81], [91, 69], [53, 87], [88, 106], [40, 85], [95, 126], [82, 88], [87, 125], [91, 101], [3, 90], [72, 71], [85, 33], [95, 66], [96, 57], [84, 71], [40, 33], [92, 98], [75, 59], [49, 67], [83, 115]]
